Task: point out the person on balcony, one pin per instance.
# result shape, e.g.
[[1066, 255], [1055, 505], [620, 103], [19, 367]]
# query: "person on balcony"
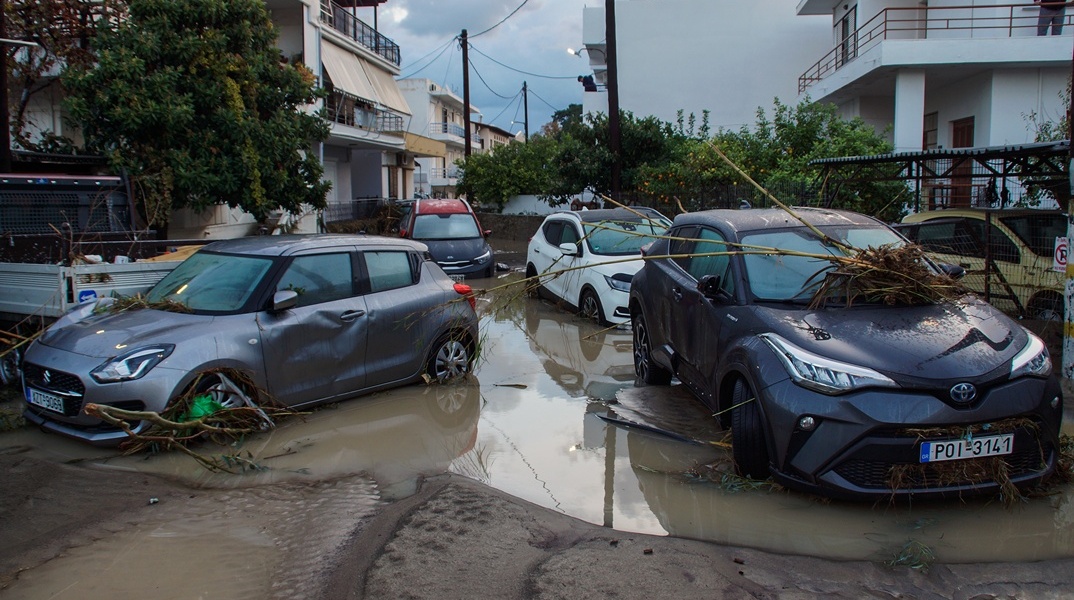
[[588, 84], [1052, 14]]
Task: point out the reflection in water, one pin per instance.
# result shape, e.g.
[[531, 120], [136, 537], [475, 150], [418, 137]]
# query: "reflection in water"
[[394, 436], [546, 447]]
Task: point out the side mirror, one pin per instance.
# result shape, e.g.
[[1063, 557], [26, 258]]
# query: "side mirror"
[[711, 287], [283, 300], [569, 249], [953, 271], [488, 233]]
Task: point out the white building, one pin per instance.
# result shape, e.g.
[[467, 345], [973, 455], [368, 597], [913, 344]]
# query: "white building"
[[726, 56], [437, 114], [940, 73], [926, 73]]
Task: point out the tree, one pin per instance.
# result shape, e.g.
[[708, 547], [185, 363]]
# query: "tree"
[[509, 170], [62, 30], [193, 100]]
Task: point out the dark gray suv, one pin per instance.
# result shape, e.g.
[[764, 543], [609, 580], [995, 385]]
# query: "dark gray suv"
[[858, 400]]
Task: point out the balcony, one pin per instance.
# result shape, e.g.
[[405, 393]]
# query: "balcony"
[[441, 177], [346, 109], [337, 17], [453, 129], [929, 23]]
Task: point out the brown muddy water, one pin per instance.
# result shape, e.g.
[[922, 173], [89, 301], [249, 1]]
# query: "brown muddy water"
[[528, 422]]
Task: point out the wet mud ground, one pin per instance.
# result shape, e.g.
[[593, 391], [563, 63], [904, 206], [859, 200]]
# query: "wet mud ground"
[[516, 482]]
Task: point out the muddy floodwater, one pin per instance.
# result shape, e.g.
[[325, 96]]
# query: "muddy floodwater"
[[536, 420]]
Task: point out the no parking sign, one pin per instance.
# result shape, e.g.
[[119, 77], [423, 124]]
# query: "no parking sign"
[[1059, 255]]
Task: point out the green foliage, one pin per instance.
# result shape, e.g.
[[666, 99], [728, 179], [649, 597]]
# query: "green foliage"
[[507, 171], [192, 100], [667, 165]]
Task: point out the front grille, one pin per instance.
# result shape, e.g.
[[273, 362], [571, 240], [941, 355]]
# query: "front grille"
[[879, 474], [53, 380]]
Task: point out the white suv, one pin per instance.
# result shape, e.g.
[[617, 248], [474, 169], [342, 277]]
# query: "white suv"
[[586, 258]]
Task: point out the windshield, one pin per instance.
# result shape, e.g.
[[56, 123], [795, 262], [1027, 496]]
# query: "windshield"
[[623, 236], [789, 277], [451, 226], [212, 282]]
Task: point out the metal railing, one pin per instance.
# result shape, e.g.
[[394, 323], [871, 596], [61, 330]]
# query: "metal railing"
[[448, 128], [352, 210], [347, 109], [354, 28], [444, 173], [943, 22]]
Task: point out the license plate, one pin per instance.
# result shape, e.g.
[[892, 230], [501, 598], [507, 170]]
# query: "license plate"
[[46, 401], [992, 445], [457, 278]]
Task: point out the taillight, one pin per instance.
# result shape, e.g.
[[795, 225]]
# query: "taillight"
[[465, 290]]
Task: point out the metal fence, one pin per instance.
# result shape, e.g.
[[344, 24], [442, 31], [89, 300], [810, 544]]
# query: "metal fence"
[[1013, 259], [31, 205]]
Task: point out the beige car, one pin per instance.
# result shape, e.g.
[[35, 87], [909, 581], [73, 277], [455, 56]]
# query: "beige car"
[[1020, 246]]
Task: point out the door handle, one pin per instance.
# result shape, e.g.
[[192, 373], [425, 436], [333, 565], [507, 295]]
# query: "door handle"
[[351, 315], [676, 292]]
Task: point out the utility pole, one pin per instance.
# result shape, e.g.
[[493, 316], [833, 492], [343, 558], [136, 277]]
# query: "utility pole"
[[526, 109], [613, 100], [1068, 296], [465, 92]]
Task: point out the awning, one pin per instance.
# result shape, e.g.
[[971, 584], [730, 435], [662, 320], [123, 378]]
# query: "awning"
[[347, 73], [422, 146], [387, 88], [356, 76]]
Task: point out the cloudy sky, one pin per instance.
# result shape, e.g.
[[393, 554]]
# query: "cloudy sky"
[[529, 45]]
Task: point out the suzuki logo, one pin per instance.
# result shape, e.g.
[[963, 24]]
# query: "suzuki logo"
[[963, 393], [47, 376]]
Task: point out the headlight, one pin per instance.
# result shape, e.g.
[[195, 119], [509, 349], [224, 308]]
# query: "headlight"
[[619, 281], [484, 258], [1032, 360], [823, 374], [132, 365]]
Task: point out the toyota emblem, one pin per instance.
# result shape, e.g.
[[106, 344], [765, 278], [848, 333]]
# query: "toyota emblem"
[[963, 393]]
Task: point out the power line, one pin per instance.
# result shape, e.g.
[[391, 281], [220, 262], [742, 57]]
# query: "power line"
[[543, 100], [502, 20], [442, 50], [520, 70], [479, 76], [506, 106]]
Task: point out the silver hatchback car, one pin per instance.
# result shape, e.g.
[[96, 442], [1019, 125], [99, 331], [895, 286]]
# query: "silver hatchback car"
[[309, 318]]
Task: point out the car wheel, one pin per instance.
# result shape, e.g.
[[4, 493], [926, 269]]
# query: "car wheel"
[[589, 307], [747, 433], [1046, 307], [223, 390], [451, 358], [644, 367], [533, 286], [9, 367]]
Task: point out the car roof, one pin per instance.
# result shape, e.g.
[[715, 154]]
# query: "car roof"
[[752, 219], [612, 214], [441, 206], [978, 213], [282, 245]]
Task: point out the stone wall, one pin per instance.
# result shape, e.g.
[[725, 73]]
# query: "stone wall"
[[511, 227]]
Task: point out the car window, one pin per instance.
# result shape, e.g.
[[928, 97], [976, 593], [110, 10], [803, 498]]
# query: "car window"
[[570, 234], [622, 236], [799, 269], [451, 226], [1038, 232], [1000, 246], [212, 282], [681, 244], [319, 278], [389, 269], [948, 237], [698, 266]]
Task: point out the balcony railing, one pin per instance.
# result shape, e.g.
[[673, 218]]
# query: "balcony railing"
[[346, 23], [346, 109], [448, 128], [444, 173], [944, 22]]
